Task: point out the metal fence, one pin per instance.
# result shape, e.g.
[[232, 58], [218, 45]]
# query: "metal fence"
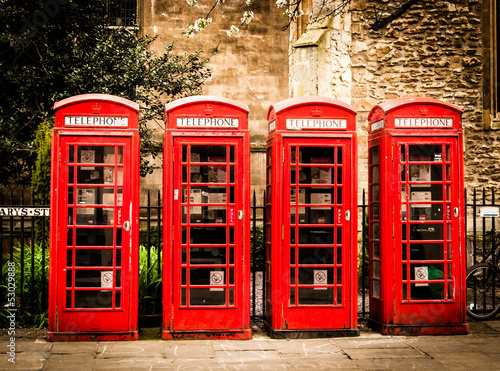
[[24, 239]]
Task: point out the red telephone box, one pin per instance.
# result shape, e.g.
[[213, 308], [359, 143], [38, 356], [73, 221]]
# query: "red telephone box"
[[416, 211], [94, 219], [206, 261], [311, 219]]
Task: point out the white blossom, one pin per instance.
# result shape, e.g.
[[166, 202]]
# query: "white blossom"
[[234, 30], [221, 1], [192, 2], [249, 2], [281, 3], [247, 17]]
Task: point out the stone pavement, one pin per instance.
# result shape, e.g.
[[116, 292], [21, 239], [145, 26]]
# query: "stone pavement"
[[371, 351]]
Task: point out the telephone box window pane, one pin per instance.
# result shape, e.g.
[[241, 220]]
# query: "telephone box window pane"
[[231, 174], [231, 276], [69, 237], [450, 291], [375, 174], [376, 289], [374, 155], [183, 276], [339, 235], [118, 279], [118, 257], [93, 257], [292, 295], [231, 255], [207, 297], [118, 299], [71, 154], [209, 153], [339, 195], [339, 255], [70, 195], [340, 159], [69, 278], [427, 291], [339, 296], [403, 153], [96, 237], [70, 216], [308, 276], [426, 251], [376, 231], [375, 212], [316, 296], [207, 255], [292, 255], [183, 297], [231, 154], [318, 155], [339, 275], [292, 276], [69, 258], [376, 250], [231, 296], [184, 175], [447, 151], [94, 278], [93, 299], [448, 173], [315, 236], [94, 216], [120, 155], [339, 175], [184, 256], [316, 256], [376, 269], [426, 152], [423, 212], [422, 232], [320, 216], [68, 299], [207, 276], [231, 235], [375, 193], [71, 175], [426, 173]]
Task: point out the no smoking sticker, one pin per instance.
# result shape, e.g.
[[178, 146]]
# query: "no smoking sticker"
[[320, 278], [422, 274], [216, 279], [107, 279]]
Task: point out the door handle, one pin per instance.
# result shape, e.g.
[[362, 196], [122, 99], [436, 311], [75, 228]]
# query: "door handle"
[[348, 215], [455, 211], [240, 214], [126, 226]]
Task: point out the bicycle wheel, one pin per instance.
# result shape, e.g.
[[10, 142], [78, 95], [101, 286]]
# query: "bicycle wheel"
[[483, 291]]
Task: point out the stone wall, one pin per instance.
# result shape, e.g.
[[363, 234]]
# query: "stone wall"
[[434, 50], [251, 68]]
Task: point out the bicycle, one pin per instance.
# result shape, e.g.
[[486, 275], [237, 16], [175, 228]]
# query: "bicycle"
[[483, 282]]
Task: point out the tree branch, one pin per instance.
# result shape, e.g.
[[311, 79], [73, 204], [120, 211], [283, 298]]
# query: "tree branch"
[[398, 13]]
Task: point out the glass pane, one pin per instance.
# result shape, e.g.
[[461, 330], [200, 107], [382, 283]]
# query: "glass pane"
[[208, 235], [95, 237], [205, 297], [375, 174], [94, 216], [426, 251], [93, 299], [71, 154], [427, 291], [314, 276], [375, 191], [315, 236], [376, 269], [316, 256], [403, 153], [93, 258], [376, 231], [429, 152], [207, 255], [95, 278], [376, 250], [376, 289], [208, 153], [374, 157], [316, 296], [421, 232]]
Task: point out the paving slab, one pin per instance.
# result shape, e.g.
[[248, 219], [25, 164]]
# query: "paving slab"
[[467, 361], [190, 349], [398, 364], [435, 345], [23, 361], [76, 347], [141, 349], [306, 347], [375, 342], [77, 362], [375, 353], [256, 344], [321, 362]]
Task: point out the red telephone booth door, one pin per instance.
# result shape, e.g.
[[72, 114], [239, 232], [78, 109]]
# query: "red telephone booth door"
[[427, 223], [316, 243], [208, 234], [94, 239]]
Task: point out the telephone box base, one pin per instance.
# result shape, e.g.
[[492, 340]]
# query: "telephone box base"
[[207, 335], [91, 336], [412, 330], [309, 334]]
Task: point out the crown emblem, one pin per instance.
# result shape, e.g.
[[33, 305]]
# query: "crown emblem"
[[207, 111], [96, 108], [316, 111], [424, 111]]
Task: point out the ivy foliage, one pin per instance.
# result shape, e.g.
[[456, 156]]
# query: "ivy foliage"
[[54, 49]]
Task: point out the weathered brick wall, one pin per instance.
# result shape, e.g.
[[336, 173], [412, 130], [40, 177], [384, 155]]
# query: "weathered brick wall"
[[434, 50]]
